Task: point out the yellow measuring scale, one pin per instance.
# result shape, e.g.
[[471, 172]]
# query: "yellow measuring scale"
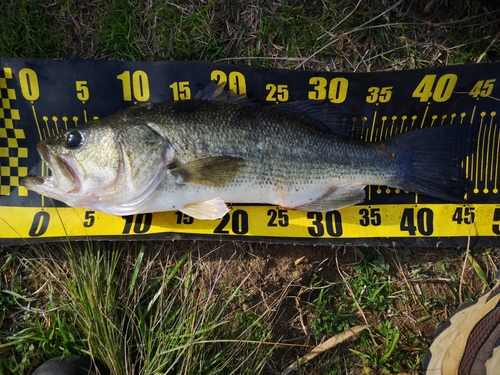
[[42, 97]]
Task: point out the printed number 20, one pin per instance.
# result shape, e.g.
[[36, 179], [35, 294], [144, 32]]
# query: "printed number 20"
[[239, 223]]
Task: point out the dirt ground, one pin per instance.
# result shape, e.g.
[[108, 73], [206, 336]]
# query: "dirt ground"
[[284, 278], [427, 284]]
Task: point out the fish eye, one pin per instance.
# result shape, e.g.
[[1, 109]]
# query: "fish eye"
[[74, 139]]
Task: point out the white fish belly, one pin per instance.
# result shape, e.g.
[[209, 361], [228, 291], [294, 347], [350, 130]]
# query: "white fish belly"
[[275, 193]]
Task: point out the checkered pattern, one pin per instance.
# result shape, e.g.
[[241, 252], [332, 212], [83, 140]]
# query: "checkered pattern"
[[11, 140]]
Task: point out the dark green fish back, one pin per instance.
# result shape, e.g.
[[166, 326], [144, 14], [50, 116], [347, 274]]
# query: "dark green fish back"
[[271, 141]]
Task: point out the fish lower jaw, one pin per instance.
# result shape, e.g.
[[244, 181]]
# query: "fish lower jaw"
[[40, 185]]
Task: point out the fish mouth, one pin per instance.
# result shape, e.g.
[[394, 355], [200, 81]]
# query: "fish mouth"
[[64, 177]]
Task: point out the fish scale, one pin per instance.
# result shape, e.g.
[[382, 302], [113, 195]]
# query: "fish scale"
[[194, 156], [198, 129]]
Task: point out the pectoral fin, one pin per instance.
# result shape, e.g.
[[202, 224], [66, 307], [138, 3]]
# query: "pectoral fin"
[[336, 198], [206, 210], [215, 171]]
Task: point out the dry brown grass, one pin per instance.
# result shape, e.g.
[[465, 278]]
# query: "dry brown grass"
[[301, 290]]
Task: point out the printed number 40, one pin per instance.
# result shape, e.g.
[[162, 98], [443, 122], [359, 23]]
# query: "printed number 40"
[[439, 91], [422, 223]]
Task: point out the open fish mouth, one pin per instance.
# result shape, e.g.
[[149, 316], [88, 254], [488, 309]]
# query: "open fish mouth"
[[63, 178]]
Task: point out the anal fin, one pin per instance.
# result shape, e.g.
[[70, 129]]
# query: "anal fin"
[[207, 210], [336, 198]]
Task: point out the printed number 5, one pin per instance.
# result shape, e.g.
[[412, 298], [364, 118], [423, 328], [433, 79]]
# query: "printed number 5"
[[89, 219], [82, 91]]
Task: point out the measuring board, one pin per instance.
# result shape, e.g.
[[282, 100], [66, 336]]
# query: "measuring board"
[[42, 97]]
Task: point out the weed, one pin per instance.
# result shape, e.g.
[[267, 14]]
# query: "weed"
[[30, 29], [372, 285], [140, 312], [442, 265], [136, 317]]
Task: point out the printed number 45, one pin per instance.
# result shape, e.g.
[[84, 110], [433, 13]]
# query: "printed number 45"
[[483, 88]]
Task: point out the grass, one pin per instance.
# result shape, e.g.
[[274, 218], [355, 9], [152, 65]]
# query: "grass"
[[400, 300], [146, 308], [135, 313], [184, 308], [347, 35], [368, 289]]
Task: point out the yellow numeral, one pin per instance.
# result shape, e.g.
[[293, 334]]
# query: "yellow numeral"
[[82, 91], [139, 85], [319, 92], [29, 84], [181, 90], [483, 88], [277, 93], [440, 92], [335, 90], [379, 94], [237, 82]]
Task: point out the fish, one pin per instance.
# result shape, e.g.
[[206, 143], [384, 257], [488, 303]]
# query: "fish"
[[197, 155]]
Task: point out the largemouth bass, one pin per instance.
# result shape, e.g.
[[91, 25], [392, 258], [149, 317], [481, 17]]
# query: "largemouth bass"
[[195, 156]]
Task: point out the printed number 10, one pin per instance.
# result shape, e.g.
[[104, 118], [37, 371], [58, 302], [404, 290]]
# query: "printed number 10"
[[139, 85], [141, 223]]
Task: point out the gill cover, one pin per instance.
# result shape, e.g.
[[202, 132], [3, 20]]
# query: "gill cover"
[[112, 165]]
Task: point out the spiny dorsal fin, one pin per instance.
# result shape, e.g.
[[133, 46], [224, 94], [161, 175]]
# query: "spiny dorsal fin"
[[324, 116], [216, 92]]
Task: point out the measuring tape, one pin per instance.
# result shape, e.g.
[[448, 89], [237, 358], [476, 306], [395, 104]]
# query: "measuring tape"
[[42, 97]]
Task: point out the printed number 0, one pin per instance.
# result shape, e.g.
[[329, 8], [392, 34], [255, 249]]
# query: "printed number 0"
[[29, 84], [40, 224]]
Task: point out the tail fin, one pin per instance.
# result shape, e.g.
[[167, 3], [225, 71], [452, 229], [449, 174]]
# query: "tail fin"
[[430, 161]]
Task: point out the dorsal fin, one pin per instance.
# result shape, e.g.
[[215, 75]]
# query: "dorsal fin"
[[324, 116], [216, 92]]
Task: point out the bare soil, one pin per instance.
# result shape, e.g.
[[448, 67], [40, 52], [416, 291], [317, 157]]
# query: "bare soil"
[[281, 276]]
